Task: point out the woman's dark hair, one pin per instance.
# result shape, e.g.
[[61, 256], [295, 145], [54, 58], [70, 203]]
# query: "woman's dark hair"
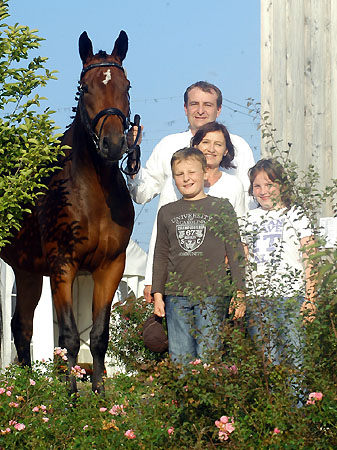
[[275, 173], [209, 128]]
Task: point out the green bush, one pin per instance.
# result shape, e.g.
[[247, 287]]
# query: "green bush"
[[126, 346], [29, 145], [167, 407]]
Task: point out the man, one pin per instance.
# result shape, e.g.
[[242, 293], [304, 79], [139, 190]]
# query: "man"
[[202, 104]]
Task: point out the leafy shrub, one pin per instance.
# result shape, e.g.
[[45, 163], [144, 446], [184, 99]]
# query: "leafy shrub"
[[126, 344]]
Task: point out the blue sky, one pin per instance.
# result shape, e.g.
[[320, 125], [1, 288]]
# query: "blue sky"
[[172, 44]]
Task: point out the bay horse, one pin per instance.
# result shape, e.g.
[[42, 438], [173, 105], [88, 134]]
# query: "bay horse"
[[85, 218]]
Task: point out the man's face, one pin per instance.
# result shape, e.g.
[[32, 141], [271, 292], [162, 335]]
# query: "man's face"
[[201, 108]]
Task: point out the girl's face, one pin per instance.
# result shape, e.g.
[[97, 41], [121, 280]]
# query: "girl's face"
[[213, 146], [267, 192]]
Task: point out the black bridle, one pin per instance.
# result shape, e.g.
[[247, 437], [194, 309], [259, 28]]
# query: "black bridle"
[[90, 125]]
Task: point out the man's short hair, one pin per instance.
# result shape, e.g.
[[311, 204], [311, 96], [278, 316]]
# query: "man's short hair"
[[189, 153], [206, 87]]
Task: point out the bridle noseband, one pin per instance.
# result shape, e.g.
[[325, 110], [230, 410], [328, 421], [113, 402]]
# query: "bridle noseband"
[[107, 112]]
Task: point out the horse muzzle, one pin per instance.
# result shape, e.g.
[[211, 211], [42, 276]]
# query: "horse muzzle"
[[112, 148]]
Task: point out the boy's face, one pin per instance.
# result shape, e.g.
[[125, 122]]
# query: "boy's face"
[[189, 178]]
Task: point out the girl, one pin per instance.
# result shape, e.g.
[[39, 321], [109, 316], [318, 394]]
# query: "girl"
[[280, 285]]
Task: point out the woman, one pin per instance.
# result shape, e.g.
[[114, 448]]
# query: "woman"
[[214, 141]]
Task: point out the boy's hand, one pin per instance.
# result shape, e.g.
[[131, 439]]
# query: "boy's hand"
[[238, 305], [308, 310], [159, 305]]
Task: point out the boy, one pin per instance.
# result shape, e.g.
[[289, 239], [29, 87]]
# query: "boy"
[[193, 243]]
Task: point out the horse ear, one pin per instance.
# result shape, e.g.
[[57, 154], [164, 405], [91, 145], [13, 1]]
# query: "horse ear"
[[121, 46], [85, 47]]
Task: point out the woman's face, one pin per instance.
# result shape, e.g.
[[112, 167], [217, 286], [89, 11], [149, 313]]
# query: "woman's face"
[[213, 146], [267, 192]]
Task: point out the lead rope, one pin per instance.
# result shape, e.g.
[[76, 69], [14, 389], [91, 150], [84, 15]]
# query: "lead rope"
[[132, 157]]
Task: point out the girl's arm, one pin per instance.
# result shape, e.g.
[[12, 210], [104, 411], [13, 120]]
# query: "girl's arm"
[[308, 307]]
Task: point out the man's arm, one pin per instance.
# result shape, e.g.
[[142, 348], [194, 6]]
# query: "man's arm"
[[150, 179]]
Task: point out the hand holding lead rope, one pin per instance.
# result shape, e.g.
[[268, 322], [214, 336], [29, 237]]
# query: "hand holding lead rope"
[[134, 138]]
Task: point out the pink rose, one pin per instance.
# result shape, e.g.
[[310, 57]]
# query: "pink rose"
[[276, 431], [2, 390], [45, 419], [103, 409], [130, 434], [318, 395], [233, 369], [19, 426], [32, 382], [223, 419], [313, 396], [226, 427], [195, 362], [13, 405], [223, 436], [229, 427], [170, 430]]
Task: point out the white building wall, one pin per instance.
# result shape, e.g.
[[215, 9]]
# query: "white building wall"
[[299, 81]]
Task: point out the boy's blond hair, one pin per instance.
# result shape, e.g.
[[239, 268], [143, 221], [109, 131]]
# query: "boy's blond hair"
[[189, 153]]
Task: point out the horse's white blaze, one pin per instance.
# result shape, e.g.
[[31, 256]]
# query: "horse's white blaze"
[[107, 77]]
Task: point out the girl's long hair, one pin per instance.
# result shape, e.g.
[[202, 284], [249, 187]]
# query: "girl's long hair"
[[276, 174]]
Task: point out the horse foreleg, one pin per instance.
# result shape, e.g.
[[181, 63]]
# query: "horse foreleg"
[[106, 282], [28, 292], [69, 337]]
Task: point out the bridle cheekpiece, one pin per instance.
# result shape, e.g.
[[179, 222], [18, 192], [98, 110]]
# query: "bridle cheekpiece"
[[133, 153], [107, 112]]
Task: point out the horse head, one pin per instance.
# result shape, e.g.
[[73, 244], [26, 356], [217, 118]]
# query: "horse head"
[[104, 97]]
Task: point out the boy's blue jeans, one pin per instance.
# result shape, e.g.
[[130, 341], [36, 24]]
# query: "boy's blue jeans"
[[194, 326]]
